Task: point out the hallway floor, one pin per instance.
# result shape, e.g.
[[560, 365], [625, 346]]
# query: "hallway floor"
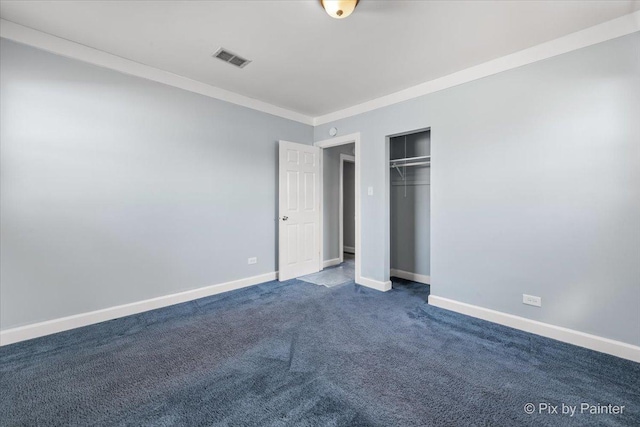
[[334, 276]]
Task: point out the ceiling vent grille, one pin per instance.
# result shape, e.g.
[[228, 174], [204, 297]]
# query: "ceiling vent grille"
[[231, 58]]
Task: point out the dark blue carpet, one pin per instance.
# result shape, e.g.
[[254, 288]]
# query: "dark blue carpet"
[[305, 355]]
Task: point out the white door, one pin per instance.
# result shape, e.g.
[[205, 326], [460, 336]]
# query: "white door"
[[299, 210]]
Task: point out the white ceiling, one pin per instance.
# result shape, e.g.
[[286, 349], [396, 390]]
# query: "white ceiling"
[[302, 59]]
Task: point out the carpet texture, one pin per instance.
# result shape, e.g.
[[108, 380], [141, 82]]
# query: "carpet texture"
[[298, 354]]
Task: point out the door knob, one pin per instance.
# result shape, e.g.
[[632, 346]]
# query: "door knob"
[[284, 218]]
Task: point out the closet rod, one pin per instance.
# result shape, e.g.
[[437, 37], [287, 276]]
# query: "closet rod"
[[406, 159], [410, 164]]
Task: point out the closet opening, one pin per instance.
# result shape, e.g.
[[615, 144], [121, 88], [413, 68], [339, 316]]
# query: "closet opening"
[[410, 206]]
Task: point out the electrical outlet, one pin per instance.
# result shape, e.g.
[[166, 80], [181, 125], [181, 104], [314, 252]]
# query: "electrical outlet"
[[370, 191], [531, 300], [253, 260]]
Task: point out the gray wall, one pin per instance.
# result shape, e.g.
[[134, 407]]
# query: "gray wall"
[[115, 189], [331, 200], [534, 188], [349, 205], [410, 200]]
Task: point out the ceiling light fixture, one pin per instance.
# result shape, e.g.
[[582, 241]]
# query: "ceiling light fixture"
[[339, 9]]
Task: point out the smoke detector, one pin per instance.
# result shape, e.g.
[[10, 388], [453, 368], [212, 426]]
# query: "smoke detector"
[[230, 58]]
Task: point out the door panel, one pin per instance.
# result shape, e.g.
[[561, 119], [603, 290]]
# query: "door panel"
[[292, 241], [309, 241], [292, 190], [309, 191], [299, 210]]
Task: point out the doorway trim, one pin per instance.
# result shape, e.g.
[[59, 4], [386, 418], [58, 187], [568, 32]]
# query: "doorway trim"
[[353, 138], [344, 158]]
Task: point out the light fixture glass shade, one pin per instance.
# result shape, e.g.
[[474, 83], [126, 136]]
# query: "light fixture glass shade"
[[339, 9]]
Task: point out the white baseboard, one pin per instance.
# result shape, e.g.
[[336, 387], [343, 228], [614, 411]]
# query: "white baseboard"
[[592, 342], [374, 284], [349, 249], [420, 278], [330, 262], [36, 330]]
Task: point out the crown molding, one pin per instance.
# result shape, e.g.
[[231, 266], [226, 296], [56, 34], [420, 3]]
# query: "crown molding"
[[624, 25], [41, 40], [615, 28]]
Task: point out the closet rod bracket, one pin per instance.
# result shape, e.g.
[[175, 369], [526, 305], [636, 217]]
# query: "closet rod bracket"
[[399, 171]]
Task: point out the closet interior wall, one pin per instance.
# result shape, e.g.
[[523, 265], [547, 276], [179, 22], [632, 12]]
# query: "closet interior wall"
[[410, 201]]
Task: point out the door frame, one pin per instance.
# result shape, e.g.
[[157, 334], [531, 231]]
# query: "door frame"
[[353, 138], [344, 158], [387, 192]]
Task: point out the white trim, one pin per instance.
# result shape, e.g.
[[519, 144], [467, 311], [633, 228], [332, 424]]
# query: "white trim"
[[41, 40], [618, 27], [592, 342], [35, 330], [349, 249], [331, 262], [350, 159], [340, 210], [407, 275], [333, 142], [375, 284], [339, 140], [615, 28], [321, 201]]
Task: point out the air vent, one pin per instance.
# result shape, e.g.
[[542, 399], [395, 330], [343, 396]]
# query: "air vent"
[[231, 57]]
